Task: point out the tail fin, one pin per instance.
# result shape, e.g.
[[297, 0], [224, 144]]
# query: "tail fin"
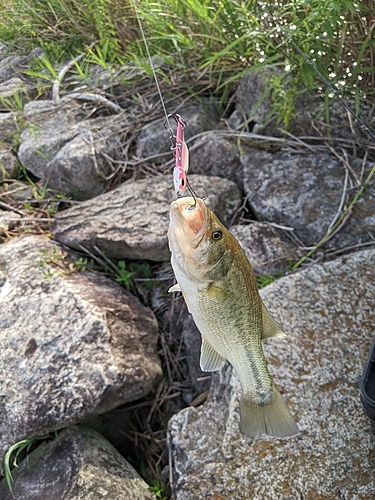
[[273, 419]]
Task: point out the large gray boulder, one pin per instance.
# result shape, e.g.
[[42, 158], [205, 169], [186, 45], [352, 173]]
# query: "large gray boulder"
[[79, 464], [62, 147], [304, 191], [132, 220], [71, 344], [317, 368]]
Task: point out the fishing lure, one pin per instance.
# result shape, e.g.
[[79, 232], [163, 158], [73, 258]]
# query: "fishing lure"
[[182, 158]]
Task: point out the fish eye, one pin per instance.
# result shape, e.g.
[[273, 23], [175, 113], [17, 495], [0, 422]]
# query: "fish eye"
[[217, 234]]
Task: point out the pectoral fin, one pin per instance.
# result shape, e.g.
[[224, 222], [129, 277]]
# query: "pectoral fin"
[[211, 360], [175, 288], [217, 293], [270, 327]]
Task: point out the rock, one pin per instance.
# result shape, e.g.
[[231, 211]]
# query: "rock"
[[3, 51], [216, 156], [51, 127], [8, 128], [19, 190], [154, 140], [7, 221], [13, 86], [12, 65], [131, 222], [71, 345], [9, 166], [267, 250], [79, 168], [317, 369], [78, 464], [63, 149], [254, 104], [253, 99], [303, 191]]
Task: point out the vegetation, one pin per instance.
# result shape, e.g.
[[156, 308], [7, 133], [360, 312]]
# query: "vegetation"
[[15, 451], [219, 39]]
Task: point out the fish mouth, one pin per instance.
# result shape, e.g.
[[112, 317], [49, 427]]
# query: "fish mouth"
[[189, 220]]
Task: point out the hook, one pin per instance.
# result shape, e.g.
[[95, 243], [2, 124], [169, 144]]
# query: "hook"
[[193, 193]]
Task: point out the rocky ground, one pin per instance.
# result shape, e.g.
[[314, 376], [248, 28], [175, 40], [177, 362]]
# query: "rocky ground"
[[95, 356]]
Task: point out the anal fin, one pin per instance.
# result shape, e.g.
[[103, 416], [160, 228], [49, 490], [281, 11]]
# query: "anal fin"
[[211, 360], [270, 327]]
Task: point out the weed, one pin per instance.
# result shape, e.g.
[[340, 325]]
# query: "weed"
[[144, 270], [17, 448], [59, 259], [266, 279], [158, 489], [224, 40], [124, 276], [83, 263], [14, 103]]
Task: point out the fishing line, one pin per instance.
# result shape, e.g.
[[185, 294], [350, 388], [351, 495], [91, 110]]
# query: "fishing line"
[[322, 77], [169, 128]]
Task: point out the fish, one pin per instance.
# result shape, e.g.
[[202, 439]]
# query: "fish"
[[220, 290]]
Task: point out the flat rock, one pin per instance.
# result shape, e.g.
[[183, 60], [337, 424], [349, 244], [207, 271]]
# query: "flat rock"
[[71, 345], [267, 249], [131, 222], [303, 191], [63, 148], [154, 140], [78, 464], [317, 368]]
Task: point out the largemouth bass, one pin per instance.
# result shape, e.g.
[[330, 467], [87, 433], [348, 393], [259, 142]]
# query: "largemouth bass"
[[220, 290]]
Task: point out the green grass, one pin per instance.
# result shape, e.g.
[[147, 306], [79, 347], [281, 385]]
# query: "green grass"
[[218, 40], [14, 451], [158, 489], [266, 279]]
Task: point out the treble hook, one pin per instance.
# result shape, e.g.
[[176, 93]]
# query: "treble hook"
[[193, 194]]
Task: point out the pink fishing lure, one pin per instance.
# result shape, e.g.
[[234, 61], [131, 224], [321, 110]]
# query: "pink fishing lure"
[[182, 159]]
